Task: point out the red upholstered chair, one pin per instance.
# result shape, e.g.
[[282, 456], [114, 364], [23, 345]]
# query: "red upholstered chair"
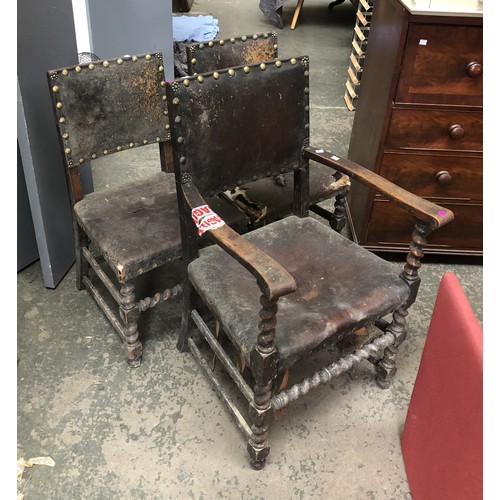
[[443, 433]]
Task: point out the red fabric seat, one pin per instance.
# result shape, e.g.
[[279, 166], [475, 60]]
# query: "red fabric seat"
[[442, 440]]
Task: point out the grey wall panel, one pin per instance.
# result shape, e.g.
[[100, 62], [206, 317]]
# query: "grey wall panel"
[[27, 249], [119, 27], [46, 40]]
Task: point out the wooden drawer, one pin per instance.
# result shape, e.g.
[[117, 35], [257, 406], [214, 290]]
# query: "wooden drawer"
[[391, 227], [446, 130], [460, 178], [442, 65]]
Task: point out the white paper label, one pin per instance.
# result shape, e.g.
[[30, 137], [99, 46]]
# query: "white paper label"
[[206, 219]]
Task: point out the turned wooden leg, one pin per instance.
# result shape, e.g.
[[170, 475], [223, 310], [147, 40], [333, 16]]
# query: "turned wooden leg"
[[338, 218], [129, 313], [263, 362], [81, 264], [386, 367]]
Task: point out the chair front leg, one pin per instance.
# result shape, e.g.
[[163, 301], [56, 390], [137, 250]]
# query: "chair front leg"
[[386, 367], [263, 363], [129, 313]]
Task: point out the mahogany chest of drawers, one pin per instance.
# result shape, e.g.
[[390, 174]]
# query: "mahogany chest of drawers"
[[418, 122]]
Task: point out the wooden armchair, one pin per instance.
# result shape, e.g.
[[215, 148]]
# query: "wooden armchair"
[[283, 291]]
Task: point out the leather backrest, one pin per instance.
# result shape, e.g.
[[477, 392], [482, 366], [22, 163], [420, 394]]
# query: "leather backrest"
[[111, 105], [227, 53], [240, 124]]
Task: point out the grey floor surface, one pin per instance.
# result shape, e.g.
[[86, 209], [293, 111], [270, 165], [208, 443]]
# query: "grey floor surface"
[[159, 431]]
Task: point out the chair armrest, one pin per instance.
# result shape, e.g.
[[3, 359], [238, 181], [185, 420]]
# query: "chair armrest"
[[274, 280], [419, 207]]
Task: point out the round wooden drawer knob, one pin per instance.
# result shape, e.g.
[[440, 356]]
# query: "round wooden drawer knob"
[[456, 132], [443, 178], [474, 69]]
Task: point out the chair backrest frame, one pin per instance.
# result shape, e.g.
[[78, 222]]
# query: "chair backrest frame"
[[226, 53], [237, 125], [107, 106]]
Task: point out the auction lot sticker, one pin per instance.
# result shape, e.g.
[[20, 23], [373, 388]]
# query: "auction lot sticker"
[[205, 219]]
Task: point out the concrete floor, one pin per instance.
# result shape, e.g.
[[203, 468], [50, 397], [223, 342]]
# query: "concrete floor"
[[159, 431]]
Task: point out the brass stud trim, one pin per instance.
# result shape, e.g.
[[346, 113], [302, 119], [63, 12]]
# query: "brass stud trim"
[[131, 144], [148, 57], [62, 119], [244, 38], [216, 75], [163, 83], [105, 152], [67, 151], [65, 72], [200, 79], [210, 44], [105, 64], [81, 160], [176, 100], [65, 136], [222, 42], [135, 58], [186, 83], [263, 67], [255, 37], [293, 61], [246, 69], [55, 88], [232, 40], [59, 105], [160, 68], [193, 61], [91, 66], [278, 64], [93, 156], [145, 141], [119, 61], [119, 148], [231, 72]]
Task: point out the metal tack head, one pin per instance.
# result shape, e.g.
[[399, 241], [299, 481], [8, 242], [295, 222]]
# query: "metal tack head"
[[210, 44], [148, 57], [200, 79], [186, 83], [216, 75], [278, 64], [293, 61], [263, 66], [105, 64], [65, 72], [55, 88], [246, 69], [221, 42], [231, 72]]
